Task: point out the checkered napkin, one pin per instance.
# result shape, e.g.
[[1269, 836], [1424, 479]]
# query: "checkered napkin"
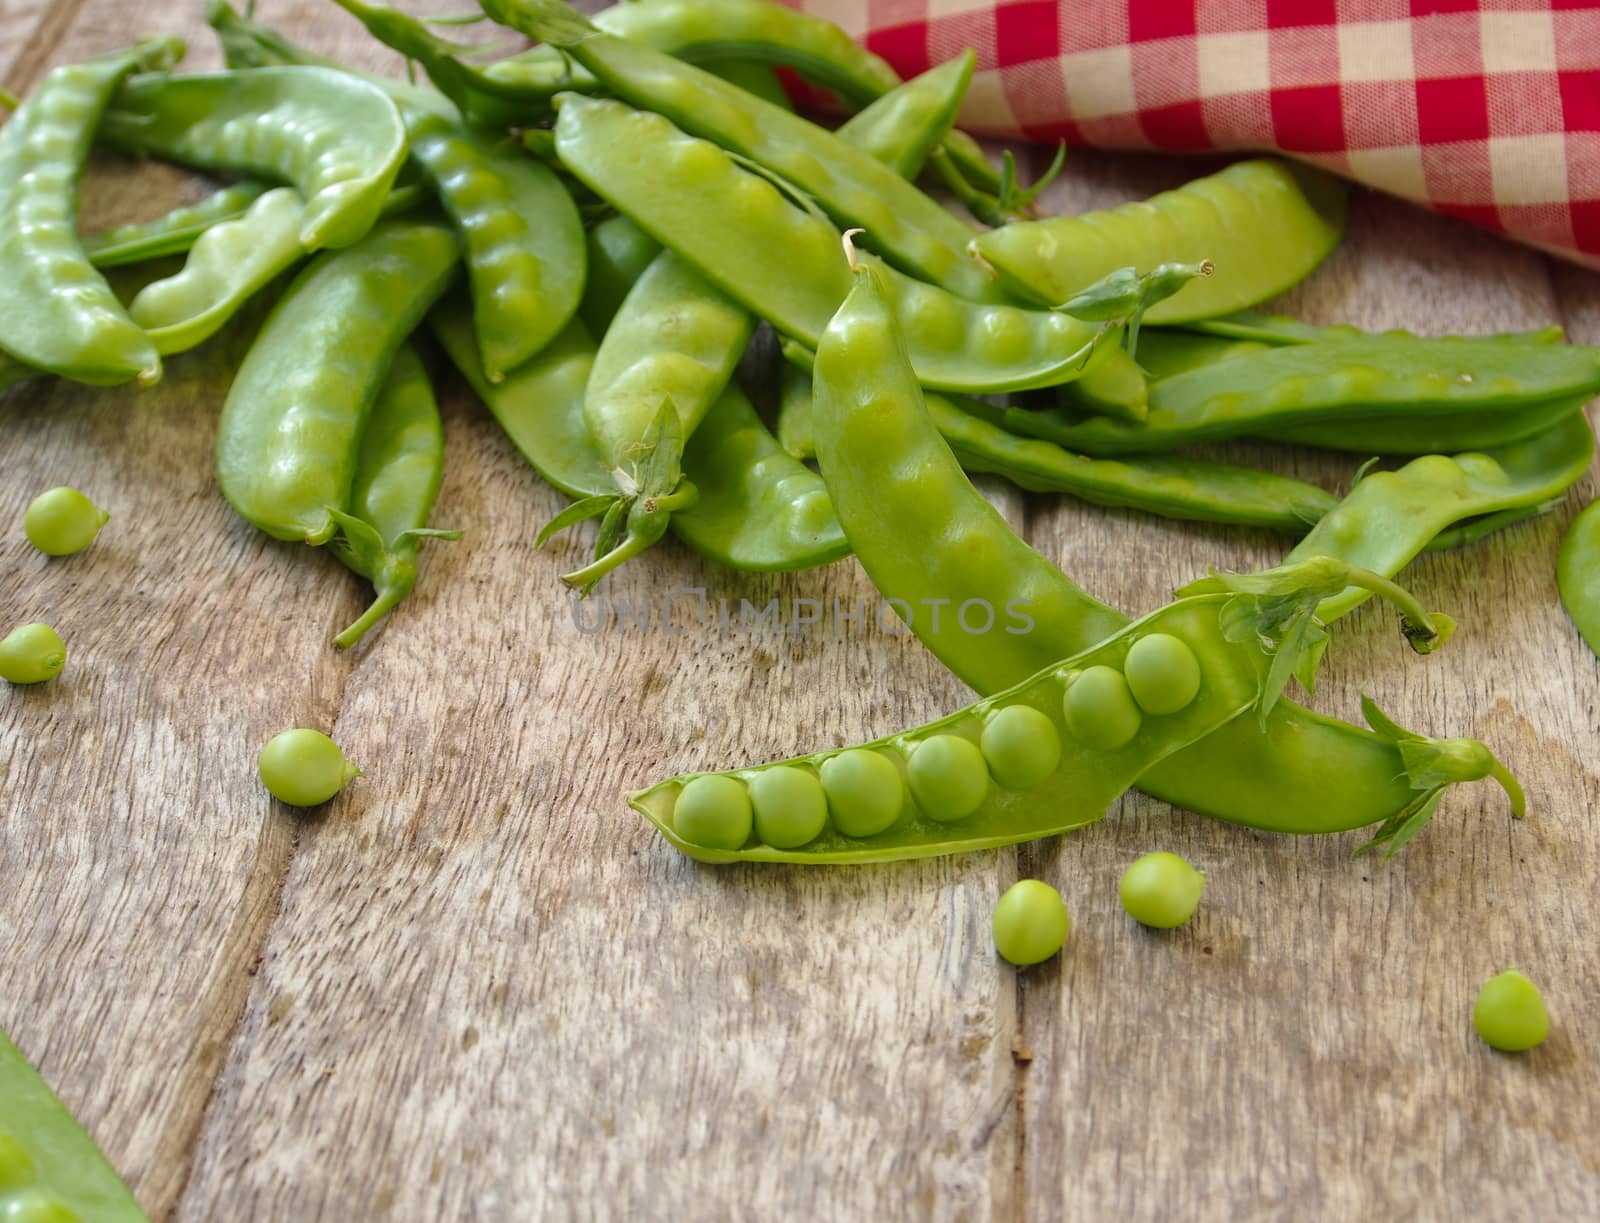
[[1487, 110]]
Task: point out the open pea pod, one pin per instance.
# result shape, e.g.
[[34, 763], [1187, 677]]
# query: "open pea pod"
[[50, 1169]]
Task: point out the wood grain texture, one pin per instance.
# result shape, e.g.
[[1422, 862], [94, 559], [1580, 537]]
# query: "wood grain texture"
[[477, 987]]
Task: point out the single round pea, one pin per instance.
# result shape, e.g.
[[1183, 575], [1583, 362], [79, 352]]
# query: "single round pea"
[[1100, 709], [32, 654], [304, 768], [713, 811], [790, 807], [1163, 673], [948, 777], [32, 1206], [1030, 922], [1509, 1013], [1021, 746], [62, 521], [864, 790], [16, 1166], [1161, 890]]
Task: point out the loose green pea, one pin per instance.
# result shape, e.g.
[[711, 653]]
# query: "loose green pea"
[[1161, 890], [948, 777], [32, 654], [304, 768], [16, 1168], [62, 521], [1162, 672], [1509, 1013], [790, 807], [864, 790], [713, 811], [1100, 709], [1021, 746], [1030, 923]]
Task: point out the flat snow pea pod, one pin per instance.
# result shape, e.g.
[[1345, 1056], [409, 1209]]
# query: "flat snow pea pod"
[[289, 438], [1084, 781], [1477, 430], [1340, 380], [1578, 574], [926, 105], [335, 137], [1114, 387], [924, 535], [57, 313], [910, 229], [1390, 516], [1280, 329], [619, 252], [174, 233], [1266, 224], [760, 509], [398, 473], [50, 1169], [782, 261], [229, 264]]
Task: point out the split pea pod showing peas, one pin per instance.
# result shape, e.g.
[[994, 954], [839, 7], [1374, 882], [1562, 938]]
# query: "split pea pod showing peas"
[[1038, 759], [1338, 380], [288, 440], [783, 262], [1265, 224], [338, 139], [910, 229], [57, 313], [50, 1169]]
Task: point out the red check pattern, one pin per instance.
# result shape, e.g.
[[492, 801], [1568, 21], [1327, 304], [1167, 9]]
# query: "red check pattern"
[[1487, 110]]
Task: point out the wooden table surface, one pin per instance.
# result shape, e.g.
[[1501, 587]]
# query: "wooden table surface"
[[476, 986]]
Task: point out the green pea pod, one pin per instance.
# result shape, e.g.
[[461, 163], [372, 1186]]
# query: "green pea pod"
[[797, 417], [1265, 224], [754, 78], [57, 312], [229, 263], [398, 472], [619, 252], [707, 32], [174, 233], [1280, 329], [1279, 389], [1578, 574], [926, 105], [338, 139], [1476, 430], [1390, 516], [912, 230], [50, 1169], [782, 262], [1114, 386], [289, 438]]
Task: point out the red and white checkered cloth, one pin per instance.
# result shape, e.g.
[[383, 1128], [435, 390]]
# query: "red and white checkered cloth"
[[1487, 110]]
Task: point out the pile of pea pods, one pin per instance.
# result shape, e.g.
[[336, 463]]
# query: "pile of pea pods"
[[594, 231]]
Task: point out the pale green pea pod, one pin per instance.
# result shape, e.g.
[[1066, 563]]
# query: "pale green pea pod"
[[1391, 516], [229, 263], [1578, 574], [398, 473], [174, 233], [57, 313], [926, 105], [337, 138]]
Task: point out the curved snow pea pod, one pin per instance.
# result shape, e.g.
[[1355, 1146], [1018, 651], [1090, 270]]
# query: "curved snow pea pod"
[[335, 137], [399, 468], [50, 1169], [57, 313], [1114, 386], [1390, 516], [926, 105], [1266, 224], [707, 32], [1279, 389], [1578, 574], [229, 263], [910, 229], [1280, 329], [782, 262], [174, 233], [1425, 434], [1086, 779], [619, 252], [288, 441]]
